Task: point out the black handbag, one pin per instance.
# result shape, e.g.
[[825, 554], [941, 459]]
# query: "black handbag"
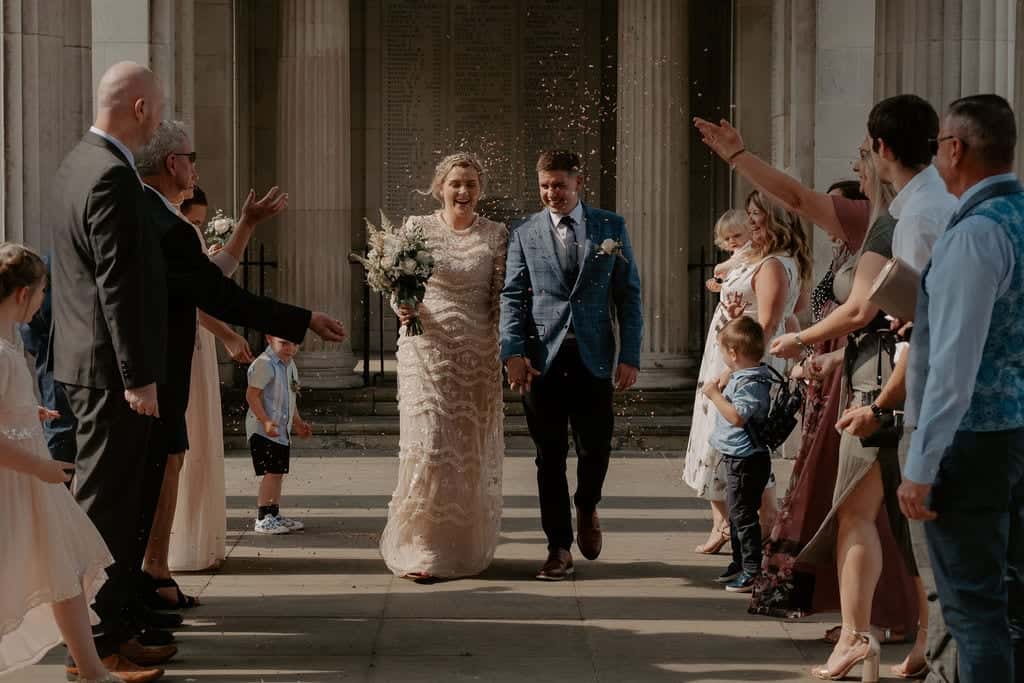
[[890, 428]]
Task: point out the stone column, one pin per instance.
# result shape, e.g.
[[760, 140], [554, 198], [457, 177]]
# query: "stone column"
[[313, 161], [43, 45], [653, 175], [945, 49]]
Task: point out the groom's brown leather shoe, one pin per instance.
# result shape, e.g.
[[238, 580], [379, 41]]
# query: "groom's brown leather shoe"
[[558, 567], [146, 656], [588, 534]]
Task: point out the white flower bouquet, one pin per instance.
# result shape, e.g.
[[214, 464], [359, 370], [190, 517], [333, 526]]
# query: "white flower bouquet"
[[398, 263], [218, 229]]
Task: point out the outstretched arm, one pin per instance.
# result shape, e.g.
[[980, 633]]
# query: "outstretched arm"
[[817, 207]]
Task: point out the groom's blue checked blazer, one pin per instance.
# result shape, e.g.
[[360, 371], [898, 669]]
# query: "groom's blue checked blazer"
[[537, 299]]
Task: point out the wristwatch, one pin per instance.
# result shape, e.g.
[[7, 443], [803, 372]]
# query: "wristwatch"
[[807, 350], [879, 412]]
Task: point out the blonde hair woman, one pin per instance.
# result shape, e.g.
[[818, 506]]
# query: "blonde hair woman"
[[445, 514]]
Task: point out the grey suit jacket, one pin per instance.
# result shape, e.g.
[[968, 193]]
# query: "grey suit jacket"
[[109, 282]]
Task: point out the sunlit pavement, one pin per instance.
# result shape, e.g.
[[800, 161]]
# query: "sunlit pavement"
[[321, 606]]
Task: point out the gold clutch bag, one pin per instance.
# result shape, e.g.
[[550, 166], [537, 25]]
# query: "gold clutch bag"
[[895, 290]]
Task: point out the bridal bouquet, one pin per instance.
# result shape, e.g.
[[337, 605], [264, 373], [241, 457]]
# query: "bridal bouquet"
[[398, 263], [218, 230]]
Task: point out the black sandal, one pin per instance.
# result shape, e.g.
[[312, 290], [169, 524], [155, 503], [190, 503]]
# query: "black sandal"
[[184, 601]]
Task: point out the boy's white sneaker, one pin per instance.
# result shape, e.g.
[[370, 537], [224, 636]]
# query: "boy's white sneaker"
[[290, 524], [270, 525]]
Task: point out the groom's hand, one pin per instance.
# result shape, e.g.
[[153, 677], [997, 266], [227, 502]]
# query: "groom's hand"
[[625, 376], [326, 327], [520, 373]]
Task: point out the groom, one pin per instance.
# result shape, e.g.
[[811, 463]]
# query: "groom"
[[569, 266]]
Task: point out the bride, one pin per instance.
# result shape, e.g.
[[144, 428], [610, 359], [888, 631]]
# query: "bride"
[[445, 514]]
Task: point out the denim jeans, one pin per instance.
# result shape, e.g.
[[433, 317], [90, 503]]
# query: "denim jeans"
[[976, 545]]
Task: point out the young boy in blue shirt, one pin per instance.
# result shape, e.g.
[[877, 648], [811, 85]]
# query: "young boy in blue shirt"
[[273, 414], [747, 463]]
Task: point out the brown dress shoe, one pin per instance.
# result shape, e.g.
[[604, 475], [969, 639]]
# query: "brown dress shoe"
[[588, 534], [146, 656], [558, 567], [124, 669]]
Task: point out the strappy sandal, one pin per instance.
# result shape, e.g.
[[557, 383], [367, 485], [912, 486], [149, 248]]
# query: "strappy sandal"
[[870, 661], [885, 636], [160, 602], [920, 672], [714, 546]]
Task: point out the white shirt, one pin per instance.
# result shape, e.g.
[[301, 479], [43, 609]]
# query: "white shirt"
[[120, 146], [561, 231], [922, 210]]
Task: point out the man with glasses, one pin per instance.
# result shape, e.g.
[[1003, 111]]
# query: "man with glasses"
[[964, 475]]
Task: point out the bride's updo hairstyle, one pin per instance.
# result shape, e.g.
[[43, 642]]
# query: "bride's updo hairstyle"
[[457, 160], [19, 267]]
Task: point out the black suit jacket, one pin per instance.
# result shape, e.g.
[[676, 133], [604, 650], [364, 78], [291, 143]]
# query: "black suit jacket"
[[108, 276], [195, 281]]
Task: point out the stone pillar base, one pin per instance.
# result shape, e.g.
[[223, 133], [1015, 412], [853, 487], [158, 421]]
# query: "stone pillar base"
[[328, 369], [666, 371]]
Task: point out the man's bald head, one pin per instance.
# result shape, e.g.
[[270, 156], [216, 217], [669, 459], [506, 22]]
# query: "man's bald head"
[[129, 103], [124, 83]]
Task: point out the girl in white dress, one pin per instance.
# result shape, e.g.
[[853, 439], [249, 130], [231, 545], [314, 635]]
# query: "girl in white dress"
[[51, 556], [445, 514], [768, 287]]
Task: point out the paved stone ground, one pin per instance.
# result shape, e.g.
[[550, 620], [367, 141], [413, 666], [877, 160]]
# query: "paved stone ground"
[[320, 606]]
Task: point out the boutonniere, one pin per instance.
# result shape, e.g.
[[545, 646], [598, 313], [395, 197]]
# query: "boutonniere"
[[296, 387], [610, 247]]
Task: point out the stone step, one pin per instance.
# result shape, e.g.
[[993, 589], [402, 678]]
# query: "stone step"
[[303, 450], [383, 401], [666, 433]]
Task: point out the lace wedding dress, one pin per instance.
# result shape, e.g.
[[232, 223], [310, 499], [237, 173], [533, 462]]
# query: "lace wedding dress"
[[445, 513]]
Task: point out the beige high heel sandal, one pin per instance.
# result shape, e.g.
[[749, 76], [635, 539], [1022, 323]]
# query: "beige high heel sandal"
[[870, 659]]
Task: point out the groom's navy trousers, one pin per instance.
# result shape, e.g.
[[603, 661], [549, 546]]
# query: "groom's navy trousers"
[[569, 396]]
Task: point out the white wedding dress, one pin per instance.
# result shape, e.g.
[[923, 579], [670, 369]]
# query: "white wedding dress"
[[445, 513]]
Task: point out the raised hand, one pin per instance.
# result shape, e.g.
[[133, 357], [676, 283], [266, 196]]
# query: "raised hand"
[[723, 139], [255, 211], [327, 328], [734, 305]]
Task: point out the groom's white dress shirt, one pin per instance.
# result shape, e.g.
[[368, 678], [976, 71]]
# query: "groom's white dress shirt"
[[562, 232]]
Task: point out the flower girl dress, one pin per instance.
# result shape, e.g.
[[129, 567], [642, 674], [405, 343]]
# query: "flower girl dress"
[[48, 547]]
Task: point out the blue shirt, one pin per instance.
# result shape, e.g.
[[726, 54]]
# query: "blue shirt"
[[749, 391], [971, 268], [278, 381]]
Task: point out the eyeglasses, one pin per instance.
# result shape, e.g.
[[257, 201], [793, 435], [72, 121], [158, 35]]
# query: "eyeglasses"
[[190, 155], [933, 143]]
